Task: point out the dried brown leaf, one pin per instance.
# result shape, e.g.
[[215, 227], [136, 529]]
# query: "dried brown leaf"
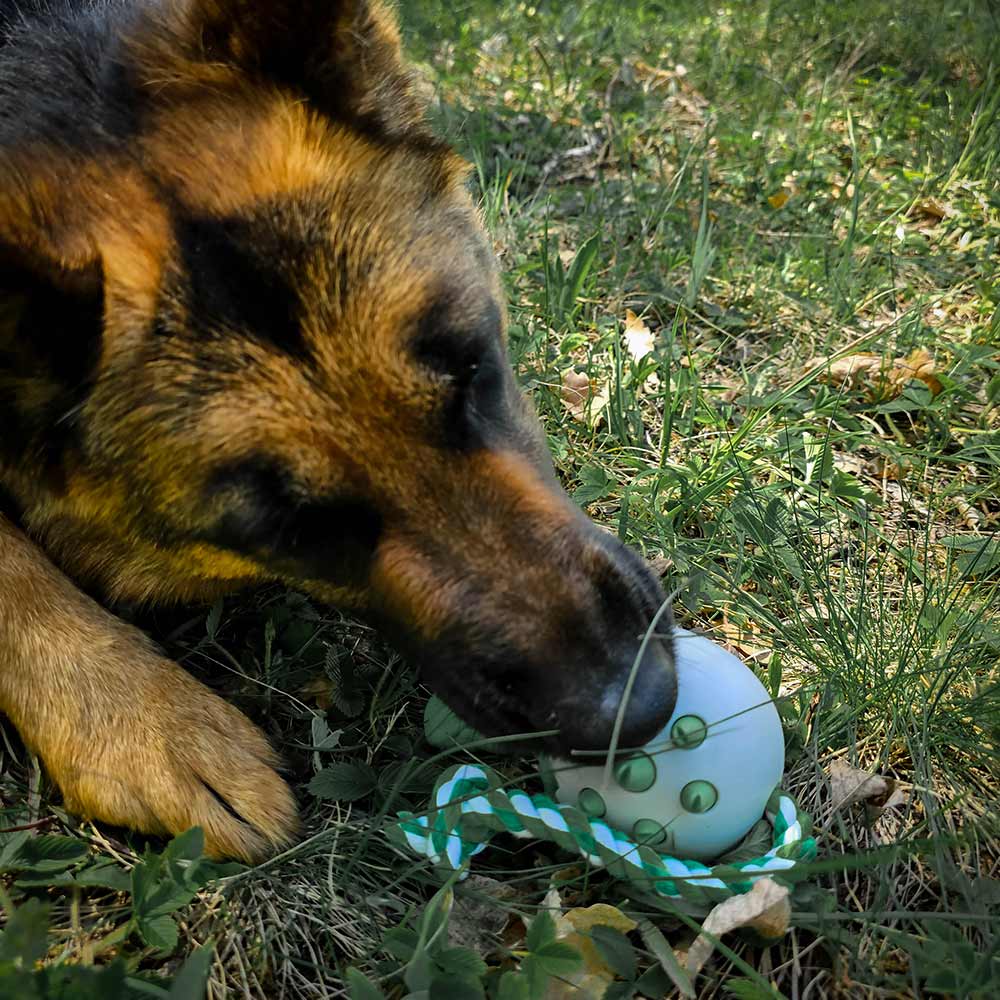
[[591, 980], [601, 396], [849, 785], [583, 918], [743, 641], [638, 336], [319, 691], [654, 75], [918, 364], [930, 208], [880, 378], [477, 922], [765, 909], [851, 371], [895, 798], [972, 518], [584, 398], [575, 393], [661, 565], [854, 464]]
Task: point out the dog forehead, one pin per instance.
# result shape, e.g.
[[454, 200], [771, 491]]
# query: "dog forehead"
[[339, 214], [225, 154]]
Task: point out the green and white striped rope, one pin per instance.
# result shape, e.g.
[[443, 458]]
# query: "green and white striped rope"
[[469, 804]]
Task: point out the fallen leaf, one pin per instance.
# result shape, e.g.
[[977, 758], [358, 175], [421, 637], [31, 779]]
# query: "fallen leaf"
[[576, 391], [594, 975], [849, 785], [638, 336], [851, 371], [579, 985], [567, 876], [584, 398], [743, 640], [881, 378], [917, 364], [660, 565], [972, 518], [653, 74], [600, 915], [929, 208], [319, 691], [591, 980], [514, 933], [765, 909], [854, 464], [598, 401], [895, 799], [779, 199], [478, 915], [882, 467]]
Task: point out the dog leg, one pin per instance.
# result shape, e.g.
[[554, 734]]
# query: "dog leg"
[[128, 736]]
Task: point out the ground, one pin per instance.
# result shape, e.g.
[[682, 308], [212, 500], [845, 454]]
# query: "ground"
[[751, 254]]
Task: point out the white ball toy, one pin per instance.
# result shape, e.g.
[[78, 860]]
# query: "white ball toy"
[[696, 789]]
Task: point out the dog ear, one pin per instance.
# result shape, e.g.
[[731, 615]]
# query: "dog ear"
[[79, 229], [344, 56], [44, 232]]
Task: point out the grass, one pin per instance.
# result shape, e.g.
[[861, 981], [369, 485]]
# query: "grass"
[[772, 187]]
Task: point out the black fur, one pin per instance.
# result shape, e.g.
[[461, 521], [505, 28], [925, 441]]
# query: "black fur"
[[63, 90], [49, 345], [63, 73], [469, 355], [264, 513], [235, 271]]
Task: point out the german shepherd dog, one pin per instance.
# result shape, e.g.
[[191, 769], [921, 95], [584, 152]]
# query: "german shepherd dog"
[[251, 330]]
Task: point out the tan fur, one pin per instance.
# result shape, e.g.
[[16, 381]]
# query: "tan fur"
[[128, 736]]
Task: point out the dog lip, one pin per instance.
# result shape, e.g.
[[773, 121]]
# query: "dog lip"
[[502, 720], [463, 700]]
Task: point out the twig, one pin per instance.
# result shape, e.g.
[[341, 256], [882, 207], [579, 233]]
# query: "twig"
[[34, 825]]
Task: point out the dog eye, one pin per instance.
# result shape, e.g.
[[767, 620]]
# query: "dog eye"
[[247, 495], [470, 369], [459, 361], [336, 529], [263, 514]]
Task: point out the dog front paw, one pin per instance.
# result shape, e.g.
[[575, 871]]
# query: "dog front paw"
[[148, 747]]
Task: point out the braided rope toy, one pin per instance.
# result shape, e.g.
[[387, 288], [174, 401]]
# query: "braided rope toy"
[[469, 804]]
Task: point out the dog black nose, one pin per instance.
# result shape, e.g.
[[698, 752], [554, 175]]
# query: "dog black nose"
[[586, 717]]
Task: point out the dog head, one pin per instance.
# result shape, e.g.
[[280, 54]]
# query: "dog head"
[[300, 368]]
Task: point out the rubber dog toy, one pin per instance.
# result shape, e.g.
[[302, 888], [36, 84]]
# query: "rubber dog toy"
[[698, 786], [469, 805], [696, 789]]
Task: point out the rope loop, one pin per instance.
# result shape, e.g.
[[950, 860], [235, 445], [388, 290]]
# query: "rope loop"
[[469, 805]]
